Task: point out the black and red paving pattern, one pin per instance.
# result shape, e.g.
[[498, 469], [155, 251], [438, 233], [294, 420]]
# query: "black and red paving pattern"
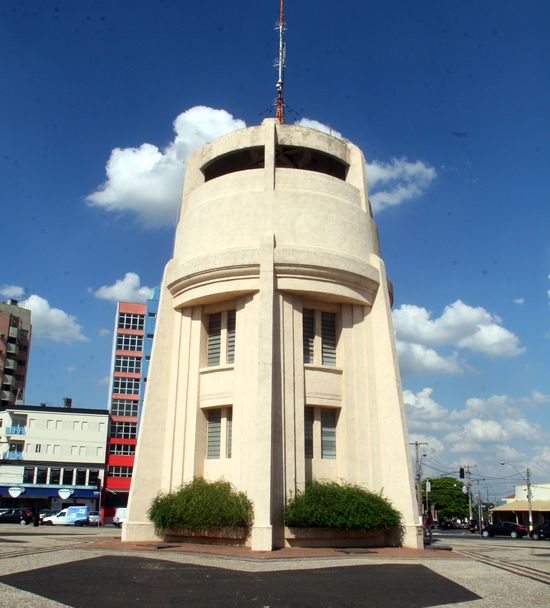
[[120, 581]]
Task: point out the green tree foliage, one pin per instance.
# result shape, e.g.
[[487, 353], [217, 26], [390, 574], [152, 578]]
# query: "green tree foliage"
[[201, 505], [447, 497], [348, 507]]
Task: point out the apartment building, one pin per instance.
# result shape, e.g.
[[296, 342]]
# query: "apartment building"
[[15, 341], [51, 457]]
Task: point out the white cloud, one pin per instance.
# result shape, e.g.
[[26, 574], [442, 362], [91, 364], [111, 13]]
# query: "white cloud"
[[104, 381], [104, 332], [434, 444], [424, 413], [52, 323], [12, 291], [460, 325], [147, 180], [397, 181], [519, 301], [71, 369], [418, 359], [127, 289], [315, 124]]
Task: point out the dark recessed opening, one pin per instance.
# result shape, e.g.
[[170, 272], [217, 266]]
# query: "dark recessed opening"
[[293, 157], [239, 160]]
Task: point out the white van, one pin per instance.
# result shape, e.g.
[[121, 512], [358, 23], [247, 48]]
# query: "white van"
[[70, 516], [119, 517]]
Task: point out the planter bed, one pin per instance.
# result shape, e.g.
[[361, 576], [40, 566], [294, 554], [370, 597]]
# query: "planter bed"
[[217, 536], [333, 537]]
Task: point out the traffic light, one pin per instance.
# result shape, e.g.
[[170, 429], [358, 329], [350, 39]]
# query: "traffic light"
[[461, 472]]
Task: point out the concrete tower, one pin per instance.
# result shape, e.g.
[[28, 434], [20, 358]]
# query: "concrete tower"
[[274, 358]]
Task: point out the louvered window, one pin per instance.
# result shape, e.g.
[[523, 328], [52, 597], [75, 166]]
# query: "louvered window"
[[230, 336], [214, 426], [214, 339], [308, 328], [229, 431], [328, 433], [308, 432], [328, 338]]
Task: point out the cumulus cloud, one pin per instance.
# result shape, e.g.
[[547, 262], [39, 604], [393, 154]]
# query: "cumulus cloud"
[[52, 323], [519, 301], [104, 332], [460, 325], [398, 181], [147, 180], [418, 359], [127, 289], [12, 291], [315, 124]]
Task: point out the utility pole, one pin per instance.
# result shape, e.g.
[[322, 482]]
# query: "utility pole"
[[529, 498], [418, 476]]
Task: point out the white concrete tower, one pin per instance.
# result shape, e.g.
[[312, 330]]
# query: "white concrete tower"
[[274, 358]]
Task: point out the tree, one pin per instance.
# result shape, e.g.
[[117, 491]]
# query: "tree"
[[447, 497]]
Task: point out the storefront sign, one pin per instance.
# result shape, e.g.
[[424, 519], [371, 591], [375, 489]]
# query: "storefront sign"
[[15, 492], [64, 493]]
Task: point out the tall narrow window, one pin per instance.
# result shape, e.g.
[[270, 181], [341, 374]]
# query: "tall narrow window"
[[229, 432], [308, 330], [328, 338], [230, 336], [55, 476], [214, 339], [328, 433], [308, 432], [214, 426]]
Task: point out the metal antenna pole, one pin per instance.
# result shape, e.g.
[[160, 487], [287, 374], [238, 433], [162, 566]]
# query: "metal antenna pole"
[[280, 64]]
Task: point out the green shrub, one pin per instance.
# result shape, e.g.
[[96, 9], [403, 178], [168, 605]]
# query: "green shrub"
[[348, 507], [201, 504]]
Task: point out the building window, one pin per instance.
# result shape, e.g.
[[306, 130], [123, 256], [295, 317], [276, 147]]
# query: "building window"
[[127, 364], [38, 448], [119, 471], [122, 449], [67, 477], [319, 335], [55, 476], [124, 407], [28, 475], [93, 476], [42, 475], [221, 338], [123, 430], [126, 386], [219, 432], [128, 320], [129, 342], [328, 433], [308, 432], [80, 479]]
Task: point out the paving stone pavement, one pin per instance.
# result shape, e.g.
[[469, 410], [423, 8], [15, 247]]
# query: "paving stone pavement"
[[52, 568]]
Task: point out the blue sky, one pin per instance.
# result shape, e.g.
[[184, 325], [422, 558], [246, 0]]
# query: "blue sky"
[[448, 101]]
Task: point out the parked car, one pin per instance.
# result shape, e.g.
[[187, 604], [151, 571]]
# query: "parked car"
[[504, 528], [541, 532], [45, 513], [94, 519], [119, 517], [16, 516]]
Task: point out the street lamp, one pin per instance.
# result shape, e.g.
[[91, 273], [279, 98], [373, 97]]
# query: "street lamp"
[[527, 478]]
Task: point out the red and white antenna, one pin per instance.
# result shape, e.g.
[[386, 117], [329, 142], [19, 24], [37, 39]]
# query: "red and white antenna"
[[280, 65]]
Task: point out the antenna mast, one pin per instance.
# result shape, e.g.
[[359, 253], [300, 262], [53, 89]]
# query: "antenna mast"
[[280, 64]]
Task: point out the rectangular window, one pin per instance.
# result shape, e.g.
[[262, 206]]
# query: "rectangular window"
[[229, 432], [41, 475], [214, 424], [124, 363], [308, 432], [308, 330], [126, 386], [37, 448], [123, 430], [67, 477], [124, 407], [119, 471], [28, 475], [122, 449], [214, 339], [328, 338], [129, 342], [231, 314], [55, 476], [80, 477], [128, 320], [328, 433], [92, 477]]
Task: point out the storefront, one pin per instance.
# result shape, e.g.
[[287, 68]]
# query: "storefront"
[[35, 498]]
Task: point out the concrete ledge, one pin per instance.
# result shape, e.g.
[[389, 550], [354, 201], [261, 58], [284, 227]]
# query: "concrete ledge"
[[332, 537], [217, 536]]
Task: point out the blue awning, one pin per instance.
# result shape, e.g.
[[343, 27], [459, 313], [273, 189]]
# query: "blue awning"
[[42, 492]]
